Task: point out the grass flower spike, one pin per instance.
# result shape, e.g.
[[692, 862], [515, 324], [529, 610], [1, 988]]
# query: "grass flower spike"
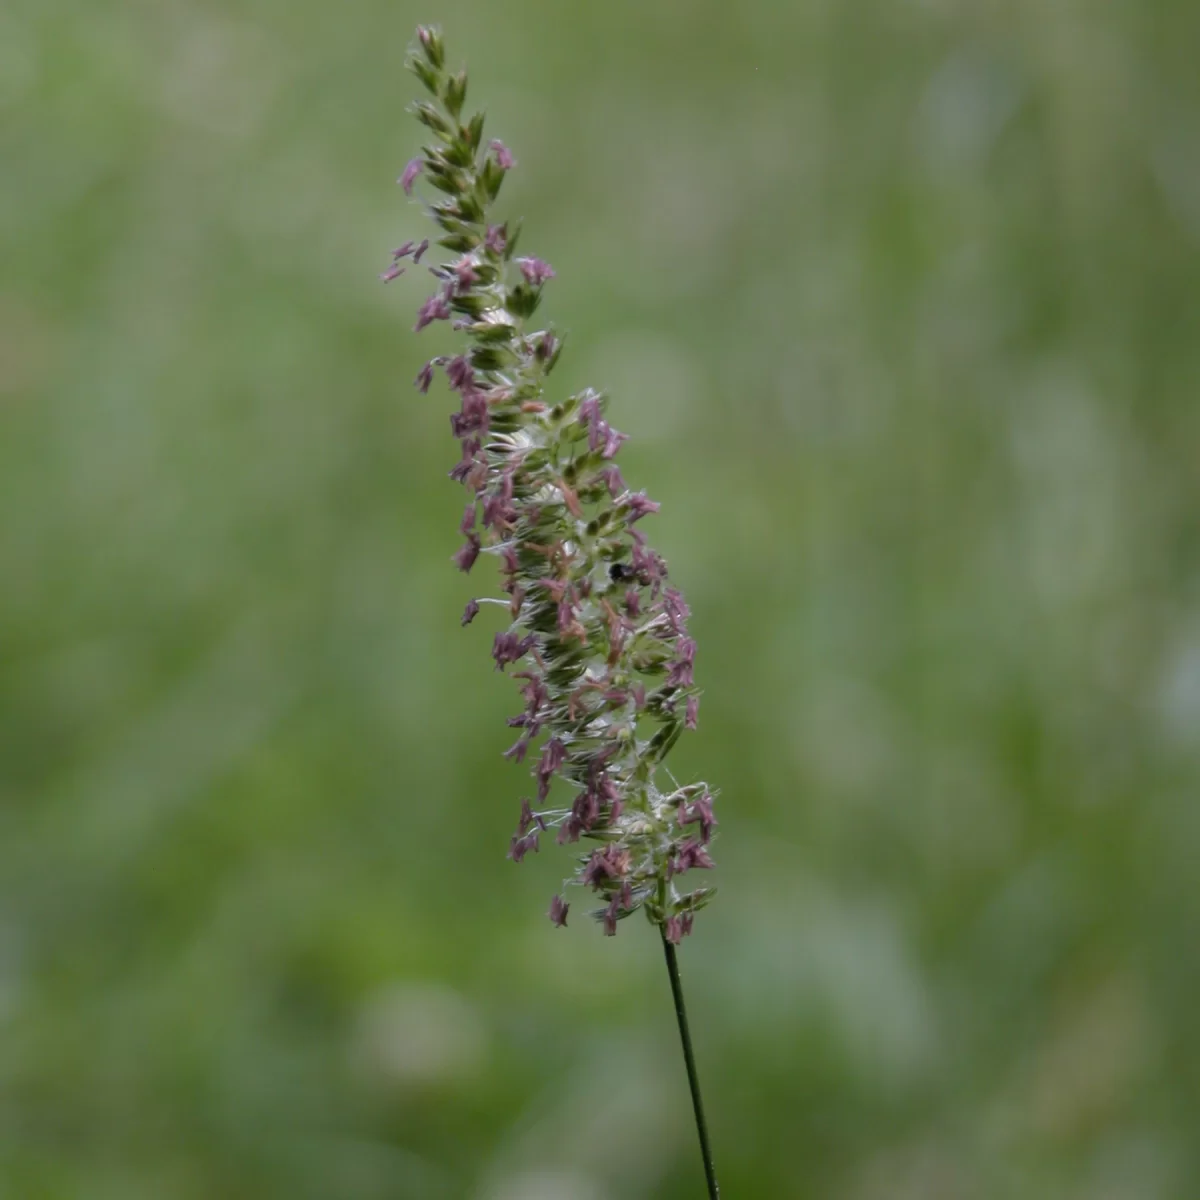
[[597, 637]]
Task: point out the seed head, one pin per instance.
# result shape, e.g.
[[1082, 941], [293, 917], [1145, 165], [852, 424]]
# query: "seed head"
[[606, 661]]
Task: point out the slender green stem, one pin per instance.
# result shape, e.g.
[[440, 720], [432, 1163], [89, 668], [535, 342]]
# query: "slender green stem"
[[689, 1058]]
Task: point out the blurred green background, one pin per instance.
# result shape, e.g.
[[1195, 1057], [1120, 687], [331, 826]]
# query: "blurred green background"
[[900, 302]]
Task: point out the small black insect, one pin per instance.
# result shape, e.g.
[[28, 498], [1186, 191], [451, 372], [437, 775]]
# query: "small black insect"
[[622, 573]]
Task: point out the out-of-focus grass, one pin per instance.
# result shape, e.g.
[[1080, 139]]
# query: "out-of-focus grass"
[[900, 304]]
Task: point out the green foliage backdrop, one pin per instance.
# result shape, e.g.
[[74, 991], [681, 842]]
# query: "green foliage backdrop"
[[899, 301]]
